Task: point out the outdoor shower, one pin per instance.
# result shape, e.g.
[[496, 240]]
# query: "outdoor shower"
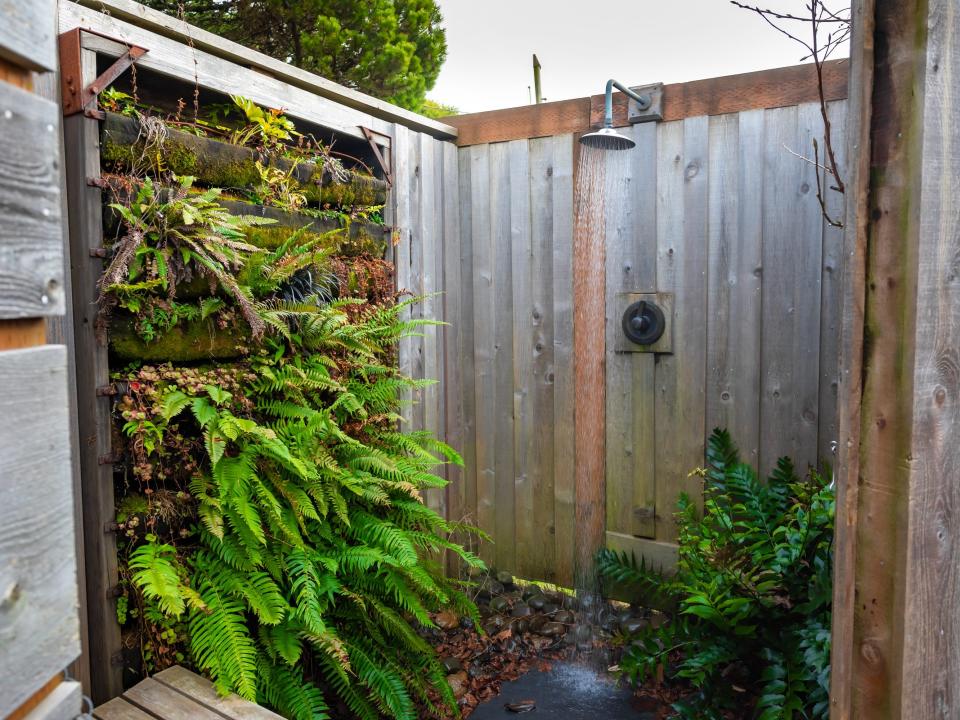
[[607, 138]]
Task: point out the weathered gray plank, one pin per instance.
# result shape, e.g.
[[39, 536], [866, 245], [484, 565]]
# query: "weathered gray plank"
[[465, 349], [521, 382], [563, 407], [631, 267], [120, 709], [201, 690], [500, 230], [541, 464], [452, 335], [735, 277], [168, 57], [31, 239], [484, 307], [930, 624], [831, 291], [65, 702], [682, 170], [162, 701], [82, 138], [39, 630], [28, 33], [792, 238], [403, 179]]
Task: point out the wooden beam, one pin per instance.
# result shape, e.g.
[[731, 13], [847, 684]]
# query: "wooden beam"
[[112, 16], [898, 630], [717, 96]]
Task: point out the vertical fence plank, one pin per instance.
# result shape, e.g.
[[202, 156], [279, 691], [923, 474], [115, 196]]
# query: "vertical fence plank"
[[541, 562], [466, 360], [792, 239], [563, 407], [500, 229], [831, 294], [681, 268], [734, 311], [631, 267], [416, 277], [401, 253], [484, 305], [451, 335], [426, 253], [521, 251]]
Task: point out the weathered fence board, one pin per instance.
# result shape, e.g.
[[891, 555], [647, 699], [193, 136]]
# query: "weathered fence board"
[[27, 35], [31, 254], [38, 622]]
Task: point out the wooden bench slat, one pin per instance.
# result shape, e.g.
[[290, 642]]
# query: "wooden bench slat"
[[165, 702], [120, 709], [202, 691]]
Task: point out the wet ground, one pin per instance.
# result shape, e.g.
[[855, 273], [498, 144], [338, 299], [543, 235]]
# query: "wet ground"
[[567, 691]]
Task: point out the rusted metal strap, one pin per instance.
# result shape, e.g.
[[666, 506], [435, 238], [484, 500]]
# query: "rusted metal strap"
[[75, 98], [384, 162]]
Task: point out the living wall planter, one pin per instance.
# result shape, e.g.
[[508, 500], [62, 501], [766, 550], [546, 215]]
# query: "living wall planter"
[[125, 140]]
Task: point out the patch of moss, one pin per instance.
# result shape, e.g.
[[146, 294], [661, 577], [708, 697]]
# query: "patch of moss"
[[187, 342]]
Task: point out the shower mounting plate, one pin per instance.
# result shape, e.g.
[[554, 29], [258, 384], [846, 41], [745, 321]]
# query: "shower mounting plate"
[[624, 300], [654, 113]]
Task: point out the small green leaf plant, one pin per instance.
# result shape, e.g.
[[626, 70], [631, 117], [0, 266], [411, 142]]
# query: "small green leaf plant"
[[752, 591]]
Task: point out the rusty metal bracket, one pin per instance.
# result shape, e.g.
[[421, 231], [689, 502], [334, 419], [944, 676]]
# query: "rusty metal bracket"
[[110, 459], [385, 161], [98, 182], [77, 99], [106, 390]]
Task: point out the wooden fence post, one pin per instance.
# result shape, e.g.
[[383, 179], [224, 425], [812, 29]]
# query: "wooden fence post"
[[897, 625]]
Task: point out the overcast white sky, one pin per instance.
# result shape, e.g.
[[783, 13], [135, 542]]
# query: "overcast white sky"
[[582, 44]]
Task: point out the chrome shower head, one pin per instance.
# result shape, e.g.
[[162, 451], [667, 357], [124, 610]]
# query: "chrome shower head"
[[607, 139]]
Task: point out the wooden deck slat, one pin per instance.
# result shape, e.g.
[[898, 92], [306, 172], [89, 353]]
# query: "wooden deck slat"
[[202, 691], [166, 703], [120, 709]]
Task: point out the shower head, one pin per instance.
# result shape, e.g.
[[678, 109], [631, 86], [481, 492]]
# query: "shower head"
[[607, 139]]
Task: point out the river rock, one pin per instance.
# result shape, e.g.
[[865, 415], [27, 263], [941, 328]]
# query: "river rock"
[[451, 664], [550, 608], [521, 611], [459, 683], [553, 629], [537, 602], [499, 604], [564, 616], [504, 578], [519, 626], [632, 625], [446, 620]]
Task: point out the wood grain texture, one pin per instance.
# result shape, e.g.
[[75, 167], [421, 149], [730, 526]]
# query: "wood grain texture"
[[857, 148], [171, 58], [716, 96], [134, 13], [682, 177], [522, 381], [502, 301], [64, 702], [201, 691], [542, 463], [734, 277], [631, 268], [28, 33], [484, 308], [38, 597], [31, 240], [161, 701], [94, 418], [120, 709], [564, 487], [931, 626]]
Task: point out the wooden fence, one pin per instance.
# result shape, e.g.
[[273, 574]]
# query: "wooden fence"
[[718, 211]]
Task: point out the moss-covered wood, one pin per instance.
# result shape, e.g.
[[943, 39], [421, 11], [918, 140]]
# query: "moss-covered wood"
[[358, 237], [126, 143], [188, 341]]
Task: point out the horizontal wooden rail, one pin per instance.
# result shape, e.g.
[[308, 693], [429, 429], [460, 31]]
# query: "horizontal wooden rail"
[[716, 96]]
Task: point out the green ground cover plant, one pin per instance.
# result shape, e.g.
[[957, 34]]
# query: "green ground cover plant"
[[752, 591]]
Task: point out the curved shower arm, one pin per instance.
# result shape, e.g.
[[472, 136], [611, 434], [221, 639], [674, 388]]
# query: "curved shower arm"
[[643, 101]]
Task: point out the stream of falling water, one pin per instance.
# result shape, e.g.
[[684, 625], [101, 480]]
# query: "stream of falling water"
[[589, 262]]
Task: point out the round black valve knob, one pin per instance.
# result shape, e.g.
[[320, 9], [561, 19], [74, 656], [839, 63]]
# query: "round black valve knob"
[[643, 323]]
